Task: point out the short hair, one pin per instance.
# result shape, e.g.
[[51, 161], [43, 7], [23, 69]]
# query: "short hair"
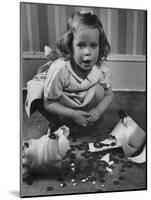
[[64, 44]]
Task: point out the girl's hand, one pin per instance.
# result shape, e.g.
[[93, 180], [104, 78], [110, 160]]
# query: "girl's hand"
[[80, 117], [94, 115]]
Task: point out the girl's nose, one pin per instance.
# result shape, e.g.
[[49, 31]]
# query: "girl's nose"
[[87, 51]]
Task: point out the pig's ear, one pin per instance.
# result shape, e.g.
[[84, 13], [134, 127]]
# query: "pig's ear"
[[25, 145], [65, 131]]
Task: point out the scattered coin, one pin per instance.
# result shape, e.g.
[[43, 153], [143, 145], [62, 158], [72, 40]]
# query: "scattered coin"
[[121, 178], [83, 180], [93, 182], [49, 188], [29, 182], [72, 180], [72, 164], [115, 182], [99, 145], [73, 169], [113, 144], [62, 184]]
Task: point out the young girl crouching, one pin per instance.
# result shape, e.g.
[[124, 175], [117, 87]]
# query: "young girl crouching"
[[77, 89]]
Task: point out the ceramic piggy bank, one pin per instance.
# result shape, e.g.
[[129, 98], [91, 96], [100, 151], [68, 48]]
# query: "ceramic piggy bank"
[[44, 155]]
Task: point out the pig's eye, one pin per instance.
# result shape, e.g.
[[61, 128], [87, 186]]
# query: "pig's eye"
[[26, 144]]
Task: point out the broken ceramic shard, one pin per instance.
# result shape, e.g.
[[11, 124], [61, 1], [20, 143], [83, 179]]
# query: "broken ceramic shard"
[[106, 158], [126, 134], [106, 144], [141, 158], [129, 135]]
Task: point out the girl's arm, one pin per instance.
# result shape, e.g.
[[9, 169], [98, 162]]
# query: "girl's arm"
[[96, 112], [55, 107], [104, 104]]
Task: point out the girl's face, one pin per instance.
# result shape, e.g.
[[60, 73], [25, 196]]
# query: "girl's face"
[[85, 48]]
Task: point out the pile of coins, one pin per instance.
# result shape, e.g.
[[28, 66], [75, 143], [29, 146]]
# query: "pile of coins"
[[89, 168]]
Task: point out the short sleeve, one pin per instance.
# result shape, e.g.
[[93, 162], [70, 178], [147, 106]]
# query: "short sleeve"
[[107, 78], [55, 81]]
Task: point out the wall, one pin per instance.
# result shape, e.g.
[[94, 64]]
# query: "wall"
[[128, 72], [42, 24]]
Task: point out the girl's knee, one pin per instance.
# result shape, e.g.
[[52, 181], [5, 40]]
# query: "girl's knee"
[[98, 97], [99, 93]]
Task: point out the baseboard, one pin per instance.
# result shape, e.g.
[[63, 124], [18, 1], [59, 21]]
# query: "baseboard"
[[126, 58], [129, 90], [114, 90]]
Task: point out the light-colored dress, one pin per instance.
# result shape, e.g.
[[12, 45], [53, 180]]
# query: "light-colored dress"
[[62, 84]]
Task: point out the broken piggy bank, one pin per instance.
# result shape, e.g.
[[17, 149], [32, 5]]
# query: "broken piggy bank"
[[129, 134], [126, 134], [44, 155]]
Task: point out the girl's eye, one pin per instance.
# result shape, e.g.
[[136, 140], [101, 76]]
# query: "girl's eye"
[[94, 45], [81, 45]]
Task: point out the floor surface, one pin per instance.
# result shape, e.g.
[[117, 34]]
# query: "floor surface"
[[90, 176]]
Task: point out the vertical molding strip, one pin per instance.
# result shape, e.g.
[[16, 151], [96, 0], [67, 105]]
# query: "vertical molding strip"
[[122, 31], [62, 19], [69, 11], [43, 25], [114, 31], [129, 35], [51, 26], [135, 32], [97, 12], [145, 33], [57, 22], [140, 29], [35, 27], [30, 38], [109, 16], [24, 29], [103, 18]]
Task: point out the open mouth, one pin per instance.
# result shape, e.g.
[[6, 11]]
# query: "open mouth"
[[87, 62]]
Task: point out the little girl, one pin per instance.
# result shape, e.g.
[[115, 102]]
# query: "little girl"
[[77, 88]]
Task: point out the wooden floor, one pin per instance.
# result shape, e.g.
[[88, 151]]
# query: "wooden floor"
[[133, 175]]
